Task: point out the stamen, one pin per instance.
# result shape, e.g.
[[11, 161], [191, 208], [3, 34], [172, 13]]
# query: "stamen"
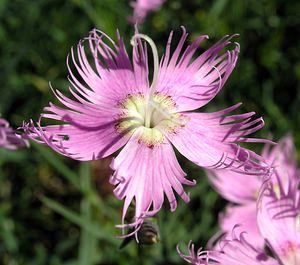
[[155, 73]]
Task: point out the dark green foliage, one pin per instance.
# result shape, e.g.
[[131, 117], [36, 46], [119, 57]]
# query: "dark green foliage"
[[51, 210]]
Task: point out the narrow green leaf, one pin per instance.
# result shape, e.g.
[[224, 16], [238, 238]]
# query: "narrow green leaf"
[[58, 165], [77, 219]]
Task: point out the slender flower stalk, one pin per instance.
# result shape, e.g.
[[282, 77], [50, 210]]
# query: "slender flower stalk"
[[8, 139], [114, 107]]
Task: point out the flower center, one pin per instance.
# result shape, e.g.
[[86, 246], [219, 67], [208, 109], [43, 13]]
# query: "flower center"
[[160, 112]]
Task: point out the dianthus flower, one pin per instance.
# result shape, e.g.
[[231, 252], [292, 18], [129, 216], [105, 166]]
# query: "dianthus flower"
[[115, 106], [243, 191], [143, 7], [8, 138]]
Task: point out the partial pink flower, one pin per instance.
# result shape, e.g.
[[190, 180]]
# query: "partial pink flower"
[[278, 219], [283, 159], [115, 106], [235, 187], [233, 250], [8, 139], [245, 215], [143, 7], [243, 190]]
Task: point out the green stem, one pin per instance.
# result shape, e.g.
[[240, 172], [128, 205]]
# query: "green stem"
[[87, 240]]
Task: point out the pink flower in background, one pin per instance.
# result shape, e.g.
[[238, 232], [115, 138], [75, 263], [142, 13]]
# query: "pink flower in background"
[[233, 250], [115, 106], [143, 7], [243, 190], [283, 158], [278, 218], [8, 138]]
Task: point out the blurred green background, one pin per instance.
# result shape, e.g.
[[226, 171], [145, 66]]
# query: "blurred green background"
[[57, 211]]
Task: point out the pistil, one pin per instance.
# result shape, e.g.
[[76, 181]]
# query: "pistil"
[[150, 105]]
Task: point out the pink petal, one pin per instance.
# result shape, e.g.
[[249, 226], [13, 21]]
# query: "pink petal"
[[208, 141], [87, 135], [145, 173], [193, 84], [114, 76], [245, 217], [231, 185], [9, 139], [237, 249]]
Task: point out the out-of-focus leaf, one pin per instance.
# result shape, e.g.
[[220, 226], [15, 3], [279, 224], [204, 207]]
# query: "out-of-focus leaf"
[[52, 159], [78, 220]]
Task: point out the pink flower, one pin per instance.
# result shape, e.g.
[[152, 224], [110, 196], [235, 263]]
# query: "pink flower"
[[8, 138], [115, 106], [143, 7], [243, 190], [233, 250], [278, 219]]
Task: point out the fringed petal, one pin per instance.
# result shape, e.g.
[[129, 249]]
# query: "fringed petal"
[[199, 257], [114, 76], [145, 174], [193, 84], [79, 140], [208, 140], [233, 250]]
